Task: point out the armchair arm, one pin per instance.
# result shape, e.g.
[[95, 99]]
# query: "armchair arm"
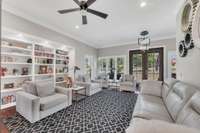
[[65, 91], [28, 106], [149, 87], [156, 126]]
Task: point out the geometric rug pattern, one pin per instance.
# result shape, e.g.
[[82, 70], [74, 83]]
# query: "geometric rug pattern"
[[105, 112]]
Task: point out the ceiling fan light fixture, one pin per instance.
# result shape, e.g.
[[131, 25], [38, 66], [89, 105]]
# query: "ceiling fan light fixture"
[[77, 27], [143, 4]]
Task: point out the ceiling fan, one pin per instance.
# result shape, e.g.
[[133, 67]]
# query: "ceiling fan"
[[83, 7]]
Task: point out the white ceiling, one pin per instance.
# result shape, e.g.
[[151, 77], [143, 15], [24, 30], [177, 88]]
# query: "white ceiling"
[[126, 19]]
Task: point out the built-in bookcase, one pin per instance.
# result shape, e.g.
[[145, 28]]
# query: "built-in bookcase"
[[62, 65], [21, 62]]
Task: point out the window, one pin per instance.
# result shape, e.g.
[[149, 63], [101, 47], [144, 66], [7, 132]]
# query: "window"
[[114, 66]]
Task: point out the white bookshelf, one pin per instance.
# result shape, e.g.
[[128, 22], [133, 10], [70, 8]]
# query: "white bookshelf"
[[15, 55], [8, 105]]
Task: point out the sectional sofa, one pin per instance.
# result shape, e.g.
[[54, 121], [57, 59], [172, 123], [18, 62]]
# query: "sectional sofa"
[[169, 106]]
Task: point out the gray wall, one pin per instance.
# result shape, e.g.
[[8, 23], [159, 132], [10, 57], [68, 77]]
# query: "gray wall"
[[169, 45], [188, 67], [20, 24]]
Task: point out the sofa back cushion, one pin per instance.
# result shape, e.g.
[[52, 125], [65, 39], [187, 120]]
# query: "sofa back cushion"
[[149, 87], [30, 87], [167, 86], [177, 98], [45, 88], [190, 114]]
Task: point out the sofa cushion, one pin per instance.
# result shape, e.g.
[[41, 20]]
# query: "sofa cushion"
[[153, 88], [151, 107], [45, 88], [190, 114], [167, 86], [156, 126], [52, 101], [177, 98], [30, 87]]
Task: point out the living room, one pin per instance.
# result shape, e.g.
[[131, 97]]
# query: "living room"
[[90, 66]]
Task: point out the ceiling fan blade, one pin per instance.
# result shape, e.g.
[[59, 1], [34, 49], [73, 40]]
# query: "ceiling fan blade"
[[90, 2], [84, 19], [68, 10], [100, 14], [77, 2]]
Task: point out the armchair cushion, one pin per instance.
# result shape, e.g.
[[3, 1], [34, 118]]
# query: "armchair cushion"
[[52, 101], [30, 87], [45, 88]]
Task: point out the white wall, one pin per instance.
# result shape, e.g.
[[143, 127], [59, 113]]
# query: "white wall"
[[188, 68], [168, 44], [20, 24]]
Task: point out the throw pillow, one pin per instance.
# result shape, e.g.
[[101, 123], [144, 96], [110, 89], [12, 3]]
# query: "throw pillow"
[[45, 88]]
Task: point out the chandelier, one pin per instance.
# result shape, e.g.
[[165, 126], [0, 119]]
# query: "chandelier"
[[144, 40]]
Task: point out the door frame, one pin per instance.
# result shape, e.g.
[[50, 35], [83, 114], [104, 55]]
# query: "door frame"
[[160, 50]]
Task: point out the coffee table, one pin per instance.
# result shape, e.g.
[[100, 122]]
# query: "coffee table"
[[76, 92]]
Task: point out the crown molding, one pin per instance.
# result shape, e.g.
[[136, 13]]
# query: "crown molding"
[[32, 19], [135, 42]]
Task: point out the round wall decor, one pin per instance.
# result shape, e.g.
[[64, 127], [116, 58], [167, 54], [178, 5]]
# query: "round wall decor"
[[196, 28], [182, 49], [186, 19], [188, 41]]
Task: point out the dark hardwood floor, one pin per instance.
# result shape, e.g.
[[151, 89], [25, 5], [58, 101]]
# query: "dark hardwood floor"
[[5, 113]]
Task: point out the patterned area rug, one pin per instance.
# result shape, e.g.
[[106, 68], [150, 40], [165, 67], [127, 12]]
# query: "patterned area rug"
[[105, 112]]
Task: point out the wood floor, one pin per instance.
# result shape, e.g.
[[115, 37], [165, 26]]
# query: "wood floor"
[[5, 114]]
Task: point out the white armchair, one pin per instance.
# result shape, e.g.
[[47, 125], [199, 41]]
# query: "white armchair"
[[40, 100], [127, 83], [91, 87]]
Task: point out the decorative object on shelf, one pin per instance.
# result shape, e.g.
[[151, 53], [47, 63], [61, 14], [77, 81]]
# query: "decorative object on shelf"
[[29, 60], [9, 86], [59, 79], [25, 71], [61, 52], [8, 99], [3, 71], [15, 72], [188, 41], [69, 82], [144, 40], [43, 70], [182, 49], [50, 70], [65, 69], [196, 25], [49, 61]]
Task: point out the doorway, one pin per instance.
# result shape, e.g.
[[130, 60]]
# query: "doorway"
[[147, 65]]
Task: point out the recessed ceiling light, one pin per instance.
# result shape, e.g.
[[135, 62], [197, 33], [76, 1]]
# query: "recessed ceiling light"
[[77, 27], [46, 42], [20, 35], [143, 4]]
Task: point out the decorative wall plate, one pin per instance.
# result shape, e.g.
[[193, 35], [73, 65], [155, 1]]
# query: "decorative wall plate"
[[188, 41], [182, 49], [196, 28], [186, 18]]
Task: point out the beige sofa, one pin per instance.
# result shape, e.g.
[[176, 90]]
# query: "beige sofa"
[[172, 105], [41, 99]]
